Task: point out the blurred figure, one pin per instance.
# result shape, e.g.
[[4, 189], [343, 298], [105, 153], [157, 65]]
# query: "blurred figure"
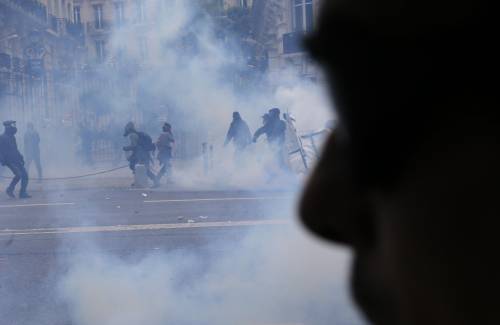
[[275, 129], [239, 133], [409, 179], [32, 149], [12, 159], [165, 146], [140, 148]]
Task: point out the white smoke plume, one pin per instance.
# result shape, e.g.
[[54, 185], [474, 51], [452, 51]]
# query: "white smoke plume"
[[271, 277]]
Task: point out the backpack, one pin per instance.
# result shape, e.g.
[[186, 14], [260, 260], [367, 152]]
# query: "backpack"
[[146, 142]]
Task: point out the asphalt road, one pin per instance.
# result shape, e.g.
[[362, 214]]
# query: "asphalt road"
[[38, 236]]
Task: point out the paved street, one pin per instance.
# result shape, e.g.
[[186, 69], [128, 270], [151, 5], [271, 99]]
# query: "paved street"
[[39, 236]]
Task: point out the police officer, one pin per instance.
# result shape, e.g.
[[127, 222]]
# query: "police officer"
[[32, 149], [12, 158], [165, 146], [139, 153]]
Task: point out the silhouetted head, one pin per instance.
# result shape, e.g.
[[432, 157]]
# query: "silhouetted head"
[[409, 179], [129, 128], [167, 127], [274, 113], [236, 116], [265, 118], [10, 127]]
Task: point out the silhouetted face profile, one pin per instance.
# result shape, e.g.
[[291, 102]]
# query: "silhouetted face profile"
[[409, 179]]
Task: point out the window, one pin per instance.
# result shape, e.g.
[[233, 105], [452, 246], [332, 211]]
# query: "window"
[[141, 10], [98, 17], [120, 13], [100, 50], [302, 15], [77, 15]]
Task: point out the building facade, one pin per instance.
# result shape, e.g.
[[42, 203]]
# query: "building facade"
[[280, 25], [40, 47]]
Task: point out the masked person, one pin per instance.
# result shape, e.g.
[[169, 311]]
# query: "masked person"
[[12, 159], [32, 149], [409, 179], [239, 133], [275, 129], [141, 147], [165, 146]]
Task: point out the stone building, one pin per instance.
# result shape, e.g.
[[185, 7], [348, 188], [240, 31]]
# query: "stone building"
[[279, 25], [40, 48]]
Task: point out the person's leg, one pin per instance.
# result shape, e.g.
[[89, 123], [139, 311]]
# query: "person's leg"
[[150, 174], [28, 160], [38, 165], [24, 182], [17, 176]]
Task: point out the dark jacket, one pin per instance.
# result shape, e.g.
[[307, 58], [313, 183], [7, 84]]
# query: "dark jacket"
[[274, 129], [239, 132], [9, 154]]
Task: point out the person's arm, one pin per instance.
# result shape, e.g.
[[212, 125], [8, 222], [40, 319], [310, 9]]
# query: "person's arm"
[[134, 140], [230, 134], [258, 133]]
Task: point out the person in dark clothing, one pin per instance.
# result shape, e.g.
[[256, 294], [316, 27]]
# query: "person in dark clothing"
[[32, 149], [139, 154], [408, 181], [12, 159], [239, 133], [275, 129], [165, 146]]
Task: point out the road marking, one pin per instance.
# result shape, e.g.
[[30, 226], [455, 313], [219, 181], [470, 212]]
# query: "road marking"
[[35, 205], [121, 228], [221, 199]]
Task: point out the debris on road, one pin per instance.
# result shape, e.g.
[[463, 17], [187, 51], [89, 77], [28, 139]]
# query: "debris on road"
[[191, 221], [203, 217], [180, 218], [144, 195], [118, 206]]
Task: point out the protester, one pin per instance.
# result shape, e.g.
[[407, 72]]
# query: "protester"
[[238, 133], [275, 129], [165, 146], [141, 148], [12, 159]]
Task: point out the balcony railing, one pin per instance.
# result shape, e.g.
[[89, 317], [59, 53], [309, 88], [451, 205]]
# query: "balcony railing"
[[292, 42], [98, 26], [74, 29]]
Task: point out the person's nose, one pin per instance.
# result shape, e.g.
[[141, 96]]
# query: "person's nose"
[[333, 206]]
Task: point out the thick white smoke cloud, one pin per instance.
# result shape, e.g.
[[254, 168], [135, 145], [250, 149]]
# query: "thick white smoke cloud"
[[271, 277]]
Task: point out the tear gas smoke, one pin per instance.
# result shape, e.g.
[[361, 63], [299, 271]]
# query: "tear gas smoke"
[[272, 277], [269, 277]]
